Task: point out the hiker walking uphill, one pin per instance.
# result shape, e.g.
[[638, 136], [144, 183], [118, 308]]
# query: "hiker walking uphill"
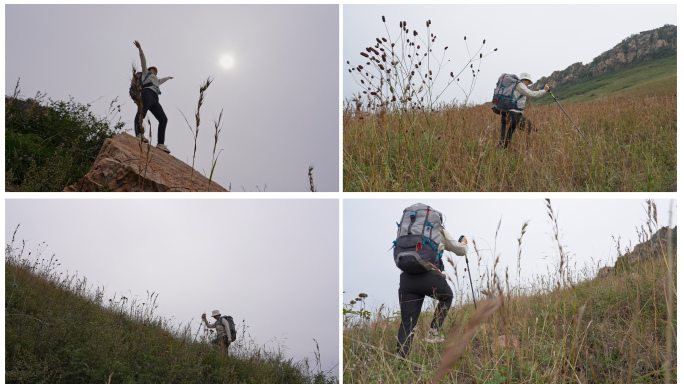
[[510, 96], [150, 101], [421, 240], [225, 328]]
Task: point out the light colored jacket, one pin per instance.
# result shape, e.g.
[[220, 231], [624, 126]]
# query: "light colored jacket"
[[152, 77], [453, 245], [521, 89], [222, 328]]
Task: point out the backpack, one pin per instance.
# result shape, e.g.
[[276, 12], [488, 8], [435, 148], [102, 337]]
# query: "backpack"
[[418, 238], [231, 325], [137, 84], [503, 94]]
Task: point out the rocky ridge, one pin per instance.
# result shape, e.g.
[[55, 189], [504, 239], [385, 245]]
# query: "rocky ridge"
[[655, 43], [124, 164]]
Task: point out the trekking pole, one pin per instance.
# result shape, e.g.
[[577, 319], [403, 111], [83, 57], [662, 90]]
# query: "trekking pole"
[[566, 114], [471, 281]]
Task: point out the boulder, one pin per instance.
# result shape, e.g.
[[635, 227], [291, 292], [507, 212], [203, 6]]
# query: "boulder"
[[124, 164]]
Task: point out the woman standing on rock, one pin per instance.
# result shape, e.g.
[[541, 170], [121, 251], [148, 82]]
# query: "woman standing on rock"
[[150, 101]]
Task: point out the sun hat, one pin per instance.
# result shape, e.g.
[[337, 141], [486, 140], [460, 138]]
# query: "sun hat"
[[215, 312], [525, 76]]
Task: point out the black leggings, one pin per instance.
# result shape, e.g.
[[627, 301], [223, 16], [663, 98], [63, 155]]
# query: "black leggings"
[[412, 291], [510, 121], [150, 101]]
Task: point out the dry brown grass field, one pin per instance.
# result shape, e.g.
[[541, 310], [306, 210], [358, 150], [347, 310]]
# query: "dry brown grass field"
[[632, 136]]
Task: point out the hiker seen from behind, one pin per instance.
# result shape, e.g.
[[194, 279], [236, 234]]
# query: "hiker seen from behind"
[[509, 99], [418, 249], [225, 328], [150, 101]]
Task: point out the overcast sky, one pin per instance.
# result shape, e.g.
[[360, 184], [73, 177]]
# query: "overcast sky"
[[537, 39], [587, 227], [280, 98], [272, 263]]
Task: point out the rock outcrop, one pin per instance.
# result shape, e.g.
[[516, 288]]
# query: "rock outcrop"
[[124, 165], [651, 44], [655, 247]]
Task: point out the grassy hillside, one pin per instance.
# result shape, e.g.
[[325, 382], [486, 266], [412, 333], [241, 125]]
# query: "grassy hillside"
[[564, 327], [58, 329], [633, 148], [653, 77], [51, 144]]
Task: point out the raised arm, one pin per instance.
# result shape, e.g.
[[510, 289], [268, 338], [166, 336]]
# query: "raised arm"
[[204, 318], [143, 62]]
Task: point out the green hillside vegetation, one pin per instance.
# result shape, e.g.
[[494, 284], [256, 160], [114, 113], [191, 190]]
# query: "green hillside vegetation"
[[653, 77], [567, 326], [50, 144], [58, 329]]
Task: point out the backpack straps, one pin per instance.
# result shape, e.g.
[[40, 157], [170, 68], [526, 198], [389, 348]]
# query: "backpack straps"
[[143, 85]]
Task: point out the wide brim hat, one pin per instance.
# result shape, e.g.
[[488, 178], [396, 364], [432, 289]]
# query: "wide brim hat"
[[526, 76], [215, 312]]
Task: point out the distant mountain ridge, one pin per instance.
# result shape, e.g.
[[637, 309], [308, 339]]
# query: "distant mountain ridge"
[[654, 44]]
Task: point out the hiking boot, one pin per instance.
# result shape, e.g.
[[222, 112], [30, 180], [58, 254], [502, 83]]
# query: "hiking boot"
[[433, 337], [141, 137], [163, 148]]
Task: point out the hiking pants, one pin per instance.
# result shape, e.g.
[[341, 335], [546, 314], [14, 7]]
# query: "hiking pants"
[[222, 340], [509, 122], [150, 101], [412, 291]]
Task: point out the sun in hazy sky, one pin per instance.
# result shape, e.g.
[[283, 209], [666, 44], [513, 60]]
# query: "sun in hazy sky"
[[227, 61]]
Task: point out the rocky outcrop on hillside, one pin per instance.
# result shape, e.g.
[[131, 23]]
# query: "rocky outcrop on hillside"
[[124, 165], [655, 247], [646, 45]]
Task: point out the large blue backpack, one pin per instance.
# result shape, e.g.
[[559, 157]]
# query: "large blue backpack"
[[418, 238], [503, 100]]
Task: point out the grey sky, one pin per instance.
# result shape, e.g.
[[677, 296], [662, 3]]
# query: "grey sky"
[[538, 39], [280, 99], [586, 227], [272, 263]]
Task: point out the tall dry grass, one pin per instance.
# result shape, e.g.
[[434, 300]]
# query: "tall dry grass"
[[566, 326], [633, 148]]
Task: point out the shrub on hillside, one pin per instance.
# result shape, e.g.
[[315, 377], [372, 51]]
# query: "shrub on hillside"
[[51, 144]]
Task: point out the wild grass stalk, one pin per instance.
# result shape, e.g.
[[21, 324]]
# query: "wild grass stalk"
[[214, 157], [312, 187], [566, 326], [195, 132]]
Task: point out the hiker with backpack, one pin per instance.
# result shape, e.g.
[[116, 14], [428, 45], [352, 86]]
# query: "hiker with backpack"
[[510, 95], [149, 94], [418, 248], [225, 328]]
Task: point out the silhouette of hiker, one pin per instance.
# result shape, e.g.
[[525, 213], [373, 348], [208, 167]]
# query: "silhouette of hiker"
[[150, 102]]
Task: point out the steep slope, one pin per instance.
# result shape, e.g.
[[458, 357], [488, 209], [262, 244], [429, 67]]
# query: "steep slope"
[[60, 330]]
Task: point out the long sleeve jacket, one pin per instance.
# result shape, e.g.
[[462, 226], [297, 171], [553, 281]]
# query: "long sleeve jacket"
[[521, 89], [453, 245], [149, 77]]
